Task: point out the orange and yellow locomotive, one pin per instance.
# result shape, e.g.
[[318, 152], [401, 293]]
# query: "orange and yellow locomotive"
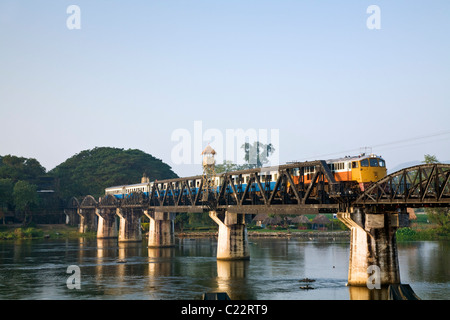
[[363, 169]]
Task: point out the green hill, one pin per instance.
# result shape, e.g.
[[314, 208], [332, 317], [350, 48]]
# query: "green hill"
[[91, 171]]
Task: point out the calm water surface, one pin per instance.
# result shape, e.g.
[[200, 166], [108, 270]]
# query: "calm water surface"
[[38, 270]]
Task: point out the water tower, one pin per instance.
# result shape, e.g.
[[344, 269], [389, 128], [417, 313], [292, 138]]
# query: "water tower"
[[209, 171]]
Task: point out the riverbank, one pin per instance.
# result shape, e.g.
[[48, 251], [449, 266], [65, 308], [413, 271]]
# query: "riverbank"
[[55, 231], [58, 231], [41, 231]]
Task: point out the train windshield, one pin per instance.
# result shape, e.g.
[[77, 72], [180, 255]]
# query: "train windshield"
[[373, 162], [364, 163], [381, 162]]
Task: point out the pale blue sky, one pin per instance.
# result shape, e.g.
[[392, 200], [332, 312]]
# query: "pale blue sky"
[[138, 70]]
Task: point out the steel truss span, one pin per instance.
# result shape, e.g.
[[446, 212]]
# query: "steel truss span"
[[254, 195], [419, 186]]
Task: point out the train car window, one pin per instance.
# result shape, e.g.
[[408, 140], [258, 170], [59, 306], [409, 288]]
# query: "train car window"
[[354, 164], [373, 162], [275, 177], [364, 163], [309, 170], [381, 163]]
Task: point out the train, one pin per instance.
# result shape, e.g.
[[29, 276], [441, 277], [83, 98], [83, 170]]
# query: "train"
[[360, 170]]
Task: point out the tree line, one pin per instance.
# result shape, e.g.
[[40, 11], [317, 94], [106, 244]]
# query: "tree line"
[[26, 188]]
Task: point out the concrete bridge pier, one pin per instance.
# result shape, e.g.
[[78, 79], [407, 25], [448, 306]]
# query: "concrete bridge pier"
[[107, 225], [87, 220], [129, 224], [161, 229], [373, 247], [232, 241]]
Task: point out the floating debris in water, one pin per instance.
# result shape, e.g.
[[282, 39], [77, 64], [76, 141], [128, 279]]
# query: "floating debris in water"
[[307, 287], [306, 280]]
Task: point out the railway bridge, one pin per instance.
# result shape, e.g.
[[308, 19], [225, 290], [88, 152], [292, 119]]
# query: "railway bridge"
[[373, 215]]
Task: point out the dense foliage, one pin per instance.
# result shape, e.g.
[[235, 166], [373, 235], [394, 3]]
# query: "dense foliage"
[[440, 216], [88, 172], [19, 178], [19, 168], [91, 171]]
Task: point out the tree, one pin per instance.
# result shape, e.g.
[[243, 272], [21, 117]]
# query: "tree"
[[19, 168], [25, 196], [6, 192], [228, 166], [440, 216], [430, 159], [6, 196], [181, 219], [257, 154]]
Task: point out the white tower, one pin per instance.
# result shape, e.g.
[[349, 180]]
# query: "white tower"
[[209, 171]]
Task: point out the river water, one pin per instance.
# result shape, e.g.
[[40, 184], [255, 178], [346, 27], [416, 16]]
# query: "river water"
[[38, 269]]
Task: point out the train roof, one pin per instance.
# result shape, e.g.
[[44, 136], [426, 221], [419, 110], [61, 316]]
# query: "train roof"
[[247, 171], [128, 185], [352, 158]]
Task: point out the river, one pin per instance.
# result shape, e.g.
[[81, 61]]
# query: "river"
[[38, 269]]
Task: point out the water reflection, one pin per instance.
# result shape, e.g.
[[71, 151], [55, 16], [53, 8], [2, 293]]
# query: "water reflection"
[[232, 277], [111, 270], [364, 293], [161, 262]]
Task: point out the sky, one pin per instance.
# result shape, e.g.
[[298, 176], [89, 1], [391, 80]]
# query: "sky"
[[168, 77]]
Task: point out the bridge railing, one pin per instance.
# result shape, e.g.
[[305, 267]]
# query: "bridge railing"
[[253, 188], [418, 186], [292, 192], [285, 189]]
